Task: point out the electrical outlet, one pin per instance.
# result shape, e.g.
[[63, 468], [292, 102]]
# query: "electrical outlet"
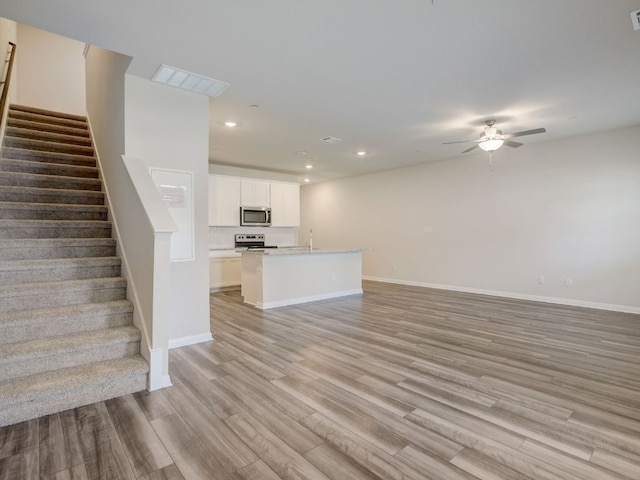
[[427, 230], [394, 267], [568, 282], [540, 280]]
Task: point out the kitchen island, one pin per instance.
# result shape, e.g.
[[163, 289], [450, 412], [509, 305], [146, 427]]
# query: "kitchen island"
[[287, 276]]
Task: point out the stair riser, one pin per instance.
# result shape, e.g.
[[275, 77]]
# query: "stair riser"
[[47, 127], [48, 157], [69, 359], [37, 253], [22, 214], [15, 413], [58, 274], [55, 232], [39, 181], [29, 134], [17, 142], [41, 168], [57, 299], [29, 195], [61, 327]]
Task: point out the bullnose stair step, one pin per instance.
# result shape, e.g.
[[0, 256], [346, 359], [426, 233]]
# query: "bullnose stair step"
[[51, 211], [45, 393], [57, 269], [54, 229], [44, 168], [43, 248], [11, 193], [27, 325], [17, 179], [58, 294], [11, 153], [47, 146], [26, 358]]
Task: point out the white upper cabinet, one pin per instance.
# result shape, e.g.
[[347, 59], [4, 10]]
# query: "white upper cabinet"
[[256, 193], [224, 201], [285, 204]]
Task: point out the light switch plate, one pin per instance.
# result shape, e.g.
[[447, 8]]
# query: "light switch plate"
[[635, 19]]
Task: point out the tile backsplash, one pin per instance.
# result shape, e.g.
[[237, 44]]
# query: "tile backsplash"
[[223, 237]]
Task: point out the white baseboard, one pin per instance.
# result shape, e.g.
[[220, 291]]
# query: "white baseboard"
[[518, 296], [190, 340], [312, 298]]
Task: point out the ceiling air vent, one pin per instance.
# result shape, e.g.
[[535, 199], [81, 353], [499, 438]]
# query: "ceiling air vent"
[[189, 81], [331, 139]]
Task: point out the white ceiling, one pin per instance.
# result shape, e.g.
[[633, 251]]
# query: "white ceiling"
[[396, 78]]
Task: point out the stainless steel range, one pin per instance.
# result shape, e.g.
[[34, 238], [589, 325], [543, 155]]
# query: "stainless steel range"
[[253, 241]]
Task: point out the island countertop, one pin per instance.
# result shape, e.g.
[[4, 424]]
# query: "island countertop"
[[300, 251]]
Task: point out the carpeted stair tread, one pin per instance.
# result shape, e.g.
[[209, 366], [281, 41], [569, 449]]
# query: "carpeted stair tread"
[[28, 325], [12, 228], [51, 211], [59, 293], [40, 126], [19, 179], [47, 146], [14, 108], [11, 193], [12, 153], [16, 132], [45, 168], [57, 269], [22, 351], [55, 391], [45, 354], [33, 248]]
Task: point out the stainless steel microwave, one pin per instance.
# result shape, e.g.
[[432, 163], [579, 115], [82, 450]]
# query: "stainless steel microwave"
[[255, 216]]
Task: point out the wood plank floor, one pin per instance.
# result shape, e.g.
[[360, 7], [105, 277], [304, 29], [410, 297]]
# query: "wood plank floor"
[[399, 383]]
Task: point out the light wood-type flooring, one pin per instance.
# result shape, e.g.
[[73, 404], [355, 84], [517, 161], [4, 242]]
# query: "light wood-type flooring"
[[399, 383]]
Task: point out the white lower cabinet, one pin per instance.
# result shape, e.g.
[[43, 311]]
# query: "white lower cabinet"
[[225, 272]]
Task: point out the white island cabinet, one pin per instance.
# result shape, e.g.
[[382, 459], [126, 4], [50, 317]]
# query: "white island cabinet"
[[279, 277]]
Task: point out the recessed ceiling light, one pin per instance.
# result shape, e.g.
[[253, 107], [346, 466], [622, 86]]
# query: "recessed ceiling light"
[[302, 153], [308, 166], [230, 124], [361, 153], [306, 180]]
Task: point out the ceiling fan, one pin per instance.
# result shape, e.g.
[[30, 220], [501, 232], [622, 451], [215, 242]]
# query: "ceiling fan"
[[492, 139]]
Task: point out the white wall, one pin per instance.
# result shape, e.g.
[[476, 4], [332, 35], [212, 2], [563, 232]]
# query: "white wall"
[[51, 70], [169, 128], [567, 209]]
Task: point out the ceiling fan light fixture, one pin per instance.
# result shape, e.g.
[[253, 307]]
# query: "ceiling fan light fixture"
[[491, 145]]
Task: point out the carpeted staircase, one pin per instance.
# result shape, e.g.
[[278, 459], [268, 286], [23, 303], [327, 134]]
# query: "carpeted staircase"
[[66, 333]]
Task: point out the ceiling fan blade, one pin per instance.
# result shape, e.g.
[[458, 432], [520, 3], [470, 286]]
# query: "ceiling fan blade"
[[526, 132], [459, 141], [469, 149], [511, 144]]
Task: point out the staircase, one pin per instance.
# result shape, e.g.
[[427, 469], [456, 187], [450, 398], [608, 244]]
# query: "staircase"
[[66, 333]]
